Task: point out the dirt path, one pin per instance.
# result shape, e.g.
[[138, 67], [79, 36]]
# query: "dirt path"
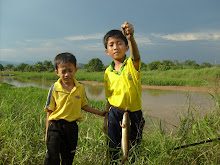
[[176, 88]]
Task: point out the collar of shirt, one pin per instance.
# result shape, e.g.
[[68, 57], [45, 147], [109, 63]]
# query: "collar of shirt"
[[59, 87], [113, 64]]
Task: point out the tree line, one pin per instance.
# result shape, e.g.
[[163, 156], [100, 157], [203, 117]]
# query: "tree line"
[[96, 65]]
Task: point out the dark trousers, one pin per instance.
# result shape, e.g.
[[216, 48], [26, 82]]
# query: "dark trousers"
[[61, 142], [115, 116]]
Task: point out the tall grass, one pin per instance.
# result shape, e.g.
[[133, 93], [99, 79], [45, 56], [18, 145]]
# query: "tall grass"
[[184, 77], [22, 131]]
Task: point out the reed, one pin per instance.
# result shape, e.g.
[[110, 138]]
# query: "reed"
[[22, 131]]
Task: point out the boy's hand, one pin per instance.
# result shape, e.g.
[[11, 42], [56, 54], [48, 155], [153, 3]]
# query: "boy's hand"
[[45, 138], [127, 29], [103, 113], [105, 124]]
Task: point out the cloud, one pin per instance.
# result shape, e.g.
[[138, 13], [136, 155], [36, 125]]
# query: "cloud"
[[7, 50], [190, 36], [93, 47], [143, 41], [86, 37]]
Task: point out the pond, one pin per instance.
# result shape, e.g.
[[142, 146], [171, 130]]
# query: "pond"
[[164, 105]]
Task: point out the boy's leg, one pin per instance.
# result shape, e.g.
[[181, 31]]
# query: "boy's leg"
[[114, 132], [53, 145], [137, 125], [68, 149]]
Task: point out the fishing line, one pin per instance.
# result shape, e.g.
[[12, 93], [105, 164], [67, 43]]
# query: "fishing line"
[[194, 144], [161, 120], [189, 145]]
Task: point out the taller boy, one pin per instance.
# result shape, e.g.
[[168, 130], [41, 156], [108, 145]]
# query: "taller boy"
[[123, 86]]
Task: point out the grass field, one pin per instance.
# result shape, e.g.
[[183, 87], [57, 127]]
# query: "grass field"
[[184, 77], [22, 131]]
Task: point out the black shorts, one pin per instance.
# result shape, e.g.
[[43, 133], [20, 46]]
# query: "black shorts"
[[115, 116], [61, 142]]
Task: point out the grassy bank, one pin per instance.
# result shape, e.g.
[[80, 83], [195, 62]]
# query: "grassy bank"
[[185, 77], [22, 131]]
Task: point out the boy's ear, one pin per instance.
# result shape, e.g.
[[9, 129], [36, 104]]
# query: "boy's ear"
[[56, 72], [127, 48], [106, 51]]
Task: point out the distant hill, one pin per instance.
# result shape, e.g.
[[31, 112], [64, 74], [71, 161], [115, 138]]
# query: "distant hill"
[[4, 63], [80, 65]]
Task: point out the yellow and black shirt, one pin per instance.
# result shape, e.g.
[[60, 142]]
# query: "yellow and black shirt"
[[64, 104], [123, 88]]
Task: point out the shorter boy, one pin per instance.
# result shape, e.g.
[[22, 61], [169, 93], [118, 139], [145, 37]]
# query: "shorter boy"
[[65, 100]]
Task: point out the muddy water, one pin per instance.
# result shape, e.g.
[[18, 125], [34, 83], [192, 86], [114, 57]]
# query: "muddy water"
[[164, 105]]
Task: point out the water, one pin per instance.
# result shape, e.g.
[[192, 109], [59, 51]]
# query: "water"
[[165, 105]]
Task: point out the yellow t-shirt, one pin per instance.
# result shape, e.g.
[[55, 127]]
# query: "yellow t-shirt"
[[64, 104], [123, 88]]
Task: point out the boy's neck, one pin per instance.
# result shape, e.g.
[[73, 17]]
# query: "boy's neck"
[[118, 63], [68, 86]]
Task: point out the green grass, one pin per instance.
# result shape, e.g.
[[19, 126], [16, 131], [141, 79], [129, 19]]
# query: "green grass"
[[81, 75], [22, 132], [184, 77]]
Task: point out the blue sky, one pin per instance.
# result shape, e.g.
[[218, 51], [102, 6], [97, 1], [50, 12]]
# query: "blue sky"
[[38, 30]]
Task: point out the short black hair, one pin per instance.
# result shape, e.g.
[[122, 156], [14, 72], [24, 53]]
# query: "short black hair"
[[114, 33], [64, 58]]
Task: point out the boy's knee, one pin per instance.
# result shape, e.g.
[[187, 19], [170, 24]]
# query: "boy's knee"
[[52, 159]]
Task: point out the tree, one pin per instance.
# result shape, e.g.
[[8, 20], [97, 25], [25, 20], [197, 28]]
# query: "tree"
[[176, 63], [94, 65], [39, 67], [21, 67], [206, 65], [1, 67], [9, 67], [48, 65], [143, 66], [28, 68], [154, 65], [168, 63], [189, 63]]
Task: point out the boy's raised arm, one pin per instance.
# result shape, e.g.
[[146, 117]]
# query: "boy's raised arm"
[[128, 31]]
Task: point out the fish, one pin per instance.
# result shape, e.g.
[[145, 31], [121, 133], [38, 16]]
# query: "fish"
[[125, 140]]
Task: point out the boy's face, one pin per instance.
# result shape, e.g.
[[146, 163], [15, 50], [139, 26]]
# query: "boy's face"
[[116, 48], [66, 72]]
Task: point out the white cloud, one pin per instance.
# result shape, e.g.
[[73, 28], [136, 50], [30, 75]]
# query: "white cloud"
[[7, 50], [190, 36], [86, 37], [93, 47], [143, 41]]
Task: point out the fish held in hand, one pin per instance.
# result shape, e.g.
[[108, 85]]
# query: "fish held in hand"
[[125, 140]]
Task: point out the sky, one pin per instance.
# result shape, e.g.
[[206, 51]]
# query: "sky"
[[38, 30]]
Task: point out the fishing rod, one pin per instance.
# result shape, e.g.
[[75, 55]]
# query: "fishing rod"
[[194, 144], [188, 145]]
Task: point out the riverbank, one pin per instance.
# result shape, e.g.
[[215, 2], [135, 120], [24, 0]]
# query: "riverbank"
[[174, 88], [206, 77]]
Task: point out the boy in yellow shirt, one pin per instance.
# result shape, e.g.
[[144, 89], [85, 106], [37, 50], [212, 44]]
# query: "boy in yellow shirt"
[[65, 100], [123, 86]]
